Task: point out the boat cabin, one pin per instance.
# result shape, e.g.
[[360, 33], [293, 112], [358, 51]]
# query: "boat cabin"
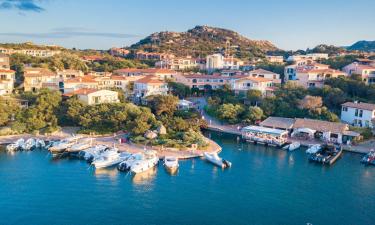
[[265, 135]]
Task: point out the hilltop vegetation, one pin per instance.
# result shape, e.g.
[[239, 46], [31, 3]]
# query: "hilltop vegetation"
[[366, 46], [203, 40]]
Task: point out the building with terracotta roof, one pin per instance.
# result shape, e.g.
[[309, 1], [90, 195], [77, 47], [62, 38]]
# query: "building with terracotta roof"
[[358, 114], [161, 73], [149, 85], [34, 78], [73, 84], [93, 96], [366, 69], [7, 79], [275, 77], [141, 55], [119, 52], [242, 84], [311, 56], [30, 52], [204, 81], [275, 58], [4, 61], [180, 63]]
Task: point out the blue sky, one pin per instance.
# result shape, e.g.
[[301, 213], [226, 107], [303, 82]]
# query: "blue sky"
[[289, 24]]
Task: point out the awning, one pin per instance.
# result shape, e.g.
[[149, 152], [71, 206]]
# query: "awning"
[[305, 130]]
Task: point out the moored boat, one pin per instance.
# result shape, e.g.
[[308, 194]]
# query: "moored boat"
[[294, 146], [128, 162], [171, 164], [313, 149], [82, 145], [327, 154], [149, 161], [369, 158], [92, 153], [60, 146], [216, 160], [15, 146], [109, 158]]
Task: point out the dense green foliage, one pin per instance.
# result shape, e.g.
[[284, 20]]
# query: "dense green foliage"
[[339, 62], [367, 46]]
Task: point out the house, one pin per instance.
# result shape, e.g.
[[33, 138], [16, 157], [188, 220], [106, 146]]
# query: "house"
[[324, 130], [180, 63], [275, 77], [278, 123], [275, 58], [149, 85], [69, 73], [218, 62], [73, 84], [141, 55], [128, 72], [290, 71], [7, 79], [31, 52], [122, 82], [161, 73], [34, 78], [93, 96], [311, 56], [308, 78], [358, 114], [204, 81], [4, 61], [120, 52], [364, 68], [242, 84]]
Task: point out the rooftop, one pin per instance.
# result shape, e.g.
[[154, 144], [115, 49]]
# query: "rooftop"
[[320, 125], [278, 122], [360, 105]]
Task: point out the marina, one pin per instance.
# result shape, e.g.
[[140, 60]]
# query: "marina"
[[269, 178]]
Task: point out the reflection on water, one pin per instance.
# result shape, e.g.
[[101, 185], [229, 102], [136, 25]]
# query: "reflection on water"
[[112, 173], [145, 177]]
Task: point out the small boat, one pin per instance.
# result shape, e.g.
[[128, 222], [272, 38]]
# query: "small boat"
[[294, 146], [149, 161], [313, 149], [216, 160], [109, 158], [286, 147], [28, 145], [369, 158], [61, 146], [127, 163], [327, 154], [171, 164], [15, 146], [92, 153], [39, 143], [82, 145]]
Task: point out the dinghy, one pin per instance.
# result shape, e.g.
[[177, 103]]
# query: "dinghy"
[[294, 146]]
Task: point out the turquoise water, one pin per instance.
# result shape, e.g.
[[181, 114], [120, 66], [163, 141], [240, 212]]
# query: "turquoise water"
[[264, 186]]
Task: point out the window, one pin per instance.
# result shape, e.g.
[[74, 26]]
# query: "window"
[[356, 112], [360, 113], [344, 109]]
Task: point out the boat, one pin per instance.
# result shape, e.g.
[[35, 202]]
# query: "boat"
[[39, 143], [82, 145], [327, 154], [92, 153], [61, 146], [216, 160], [313, 149], [294, 146], [109, 158], [28, 145], [127, 163], [149, 161], [171, 164], [369, 158], [15, 146]]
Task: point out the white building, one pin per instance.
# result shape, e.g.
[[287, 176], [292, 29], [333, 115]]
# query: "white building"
[[4, 61], [93, 96], [358, 114], [311, 56], [218, 62], [7, 79], [275, 58], [243, 84], [150, 85], [275, 77]]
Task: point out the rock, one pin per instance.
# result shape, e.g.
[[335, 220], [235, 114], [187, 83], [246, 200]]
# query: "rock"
[[150, 134], [162, 130]]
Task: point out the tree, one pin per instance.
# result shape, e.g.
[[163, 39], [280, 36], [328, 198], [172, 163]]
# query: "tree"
[[310, 102], [230, 112], [179, 89], [254, 96], [163, 104], [8, 109], [253, 114]]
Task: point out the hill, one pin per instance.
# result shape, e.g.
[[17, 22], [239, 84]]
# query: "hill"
[[204, 40], [329, 49], [367, 46]]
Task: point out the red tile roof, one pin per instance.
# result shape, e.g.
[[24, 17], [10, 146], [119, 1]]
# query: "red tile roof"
[[150, 79], [82, 91], [6, 71], [360, 105]]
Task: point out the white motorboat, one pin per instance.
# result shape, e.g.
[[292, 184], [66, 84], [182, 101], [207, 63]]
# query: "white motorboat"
[[127, 163], [313, 149], [109, 158], [16, 145], [39, 143], [150, 160], [28, 145], [216, 160], [171, 164], [80, 146], [60, 147], [92, 153], [294, 146]]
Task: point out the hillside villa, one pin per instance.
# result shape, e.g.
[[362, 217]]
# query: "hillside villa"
[[218, 61], [180, 63], [37, 78], [94, 96], [275, 58], [4, 61], [149, 85], [311, 56], [7, 79], [30, 52], [275, 77], [358, 114], [365, 70]]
